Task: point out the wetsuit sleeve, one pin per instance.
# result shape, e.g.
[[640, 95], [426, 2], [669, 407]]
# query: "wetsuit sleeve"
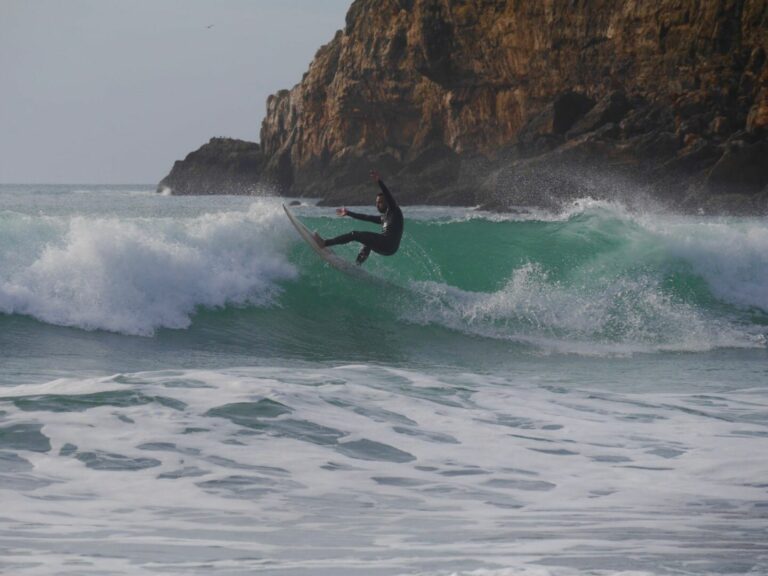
[[391, 204], [366, 217]]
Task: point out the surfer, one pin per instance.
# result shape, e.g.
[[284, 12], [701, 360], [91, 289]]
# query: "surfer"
[[391, 221]]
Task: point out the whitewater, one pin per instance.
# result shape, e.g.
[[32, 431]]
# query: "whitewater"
[[185, 388]]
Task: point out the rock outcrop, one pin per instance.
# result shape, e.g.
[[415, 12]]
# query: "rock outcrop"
[[503, 102], [222, 166]]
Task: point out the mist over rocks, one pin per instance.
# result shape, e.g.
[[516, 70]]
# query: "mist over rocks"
[[501, 103]]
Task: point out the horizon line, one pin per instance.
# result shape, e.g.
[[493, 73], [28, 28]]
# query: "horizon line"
[[77, 184]]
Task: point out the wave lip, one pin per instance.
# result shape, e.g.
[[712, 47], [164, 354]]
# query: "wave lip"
[[731, 256], [134, 276]]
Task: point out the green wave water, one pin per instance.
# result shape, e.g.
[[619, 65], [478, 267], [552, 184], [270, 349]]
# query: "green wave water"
[[234, 275], [598, 280]]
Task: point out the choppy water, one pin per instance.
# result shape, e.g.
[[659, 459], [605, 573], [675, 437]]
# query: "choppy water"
[[186, 389]]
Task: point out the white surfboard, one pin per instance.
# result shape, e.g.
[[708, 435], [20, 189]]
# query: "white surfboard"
[[329, 255]]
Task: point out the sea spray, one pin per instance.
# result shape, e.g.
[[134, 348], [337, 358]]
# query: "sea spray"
[[134, 276], [627, 315]]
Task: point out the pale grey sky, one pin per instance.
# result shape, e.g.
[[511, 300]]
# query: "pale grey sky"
[[113, 91]]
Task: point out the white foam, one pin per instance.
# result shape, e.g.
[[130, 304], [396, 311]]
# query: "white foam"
[[619, 301], [533, 571], [731, 254], [137, 275], [623, 316], [507, 477]]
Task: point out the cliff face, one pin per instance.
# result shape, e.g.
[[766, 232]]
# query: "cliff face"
[[504, 101]]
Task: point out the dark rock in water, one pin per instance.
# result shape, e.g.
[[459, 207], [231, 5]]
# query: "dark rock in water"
[[498, 102], [222, 166], [655, 145], [294, 203], [742, 169], [694, 158]]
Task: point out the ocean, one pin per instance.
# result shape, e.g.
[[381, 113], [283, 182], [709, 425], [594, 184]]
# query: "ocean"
[[185, 388]]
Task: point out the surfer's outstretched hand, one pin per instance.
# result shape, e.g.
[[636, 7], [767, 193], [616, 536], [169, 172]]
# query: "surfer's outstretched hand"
[[375, 175], [341, 211]]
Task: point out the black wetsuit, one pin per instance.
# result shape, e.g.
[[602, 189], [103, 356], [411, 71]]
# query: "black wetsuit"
[[385, 243]]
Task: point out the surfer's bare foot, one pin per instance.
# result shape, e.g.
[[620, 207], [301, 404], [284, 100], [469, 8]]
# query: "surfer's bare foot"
[[319, 240]]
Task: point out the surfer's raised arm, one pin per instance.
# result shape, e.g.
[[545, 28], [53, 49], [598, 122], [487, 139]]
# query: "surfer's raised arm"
[[384, 190], [358, 216], [389, 203]]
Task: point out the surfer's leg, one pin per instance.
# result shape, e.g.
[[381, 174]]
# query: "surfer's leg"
[[343, 239], [370, 241], [378, 243], [375, 241]]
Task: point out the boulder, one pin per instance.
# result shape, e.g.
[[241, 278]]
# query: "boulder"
[[742, 169], [222, 166], [611, 108]]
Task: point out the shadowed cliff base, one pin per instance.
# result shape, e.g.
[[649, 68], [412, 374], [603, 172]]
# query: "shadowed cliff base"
[[501, 104]]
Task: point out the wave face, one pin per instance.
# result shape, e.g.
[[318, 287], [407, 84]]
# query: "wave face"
[[600, 278], [595, 279]]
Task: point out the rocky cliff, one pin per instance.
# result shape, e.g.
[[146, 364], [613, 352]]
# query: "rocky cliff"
[[507, 102], [222, 166]]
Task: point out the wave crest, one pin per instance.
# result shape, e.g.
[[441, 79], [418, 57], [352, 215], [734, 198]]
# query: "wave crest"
[[625, 315], [134, 276]]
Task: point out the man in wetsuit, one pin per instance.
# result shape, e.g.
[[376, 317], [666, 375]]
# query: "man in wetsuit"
[[391, 220]]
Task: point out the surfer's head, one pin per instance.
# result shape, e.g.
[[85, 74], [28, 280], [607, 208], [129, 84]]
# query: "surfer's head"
[[381, 203]]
